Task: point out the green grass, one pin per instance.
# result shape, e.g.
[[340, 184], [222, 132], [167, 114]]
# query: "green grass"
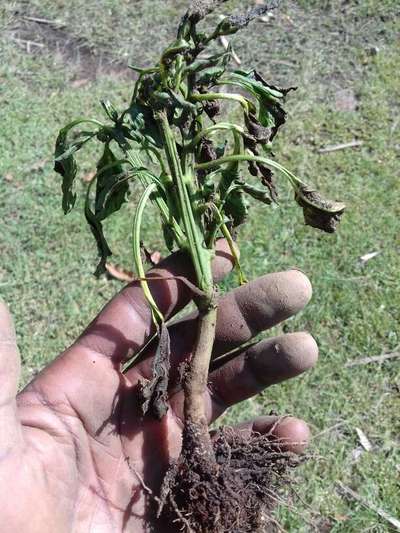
[[47, 260]]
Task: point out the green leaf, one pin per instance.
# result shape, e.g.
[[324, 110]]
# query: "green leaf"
[[97, 231], [210, 75], [109, 110], [169, 236], [236, 207], [177, 47], [64, 160], [112, 185], [66, 167], [142, 121]]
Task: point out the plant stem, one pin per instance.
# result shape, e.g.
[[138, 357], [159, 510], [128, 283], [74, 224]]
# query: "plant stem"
[[213, 129], [195, 381], [201, 256], [136, 227], [222, 96], [146, 180]]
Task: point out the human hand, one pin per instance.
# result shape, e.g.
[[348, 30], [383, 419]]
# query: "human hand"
[[76, 456]]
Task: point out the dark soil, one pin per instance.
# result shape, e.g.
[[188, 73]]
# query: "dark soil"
[[235, 491], [39, 37]]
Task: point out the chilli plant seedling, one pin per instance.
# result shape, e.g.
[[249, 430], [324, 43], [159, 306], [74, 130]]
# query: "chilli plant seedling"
[[163, 140]]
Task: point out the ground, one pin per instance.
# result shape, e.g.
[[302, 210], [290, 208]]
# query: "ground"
[[344, 57]]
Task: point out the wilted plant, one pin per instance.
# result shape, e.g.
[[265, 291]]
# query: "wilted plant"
[[163, 140]]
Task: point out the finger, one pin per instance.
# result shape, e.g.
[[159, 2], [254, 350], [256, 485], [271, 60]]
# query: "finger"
[[258, 306], [268, 362], [125, 323], [292, 434], [242, 314], [10, 432]]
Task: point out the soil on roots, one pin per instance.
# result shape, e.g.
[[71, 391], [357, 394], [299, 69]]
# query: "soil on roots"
[[235, 491]]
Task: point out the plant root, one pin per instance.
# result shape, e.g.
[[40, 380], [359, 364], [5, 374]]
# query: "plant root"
[[234, 491]]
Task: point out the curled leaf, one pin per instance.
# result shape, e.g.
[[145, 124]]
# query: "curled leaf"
[[207, 151], [260, 133], [178, 47], [67, 168], [319, 212], [236, 207], [112, 185], [257, 193], [97, 231], [211, 108], [270, 98], [153, 394]]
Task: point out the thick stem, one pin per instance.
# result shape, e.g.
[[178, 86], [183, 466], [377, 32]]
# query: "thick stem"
[[195, 383]]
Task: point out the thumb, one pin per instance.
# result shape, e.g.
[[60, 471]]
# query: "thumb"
[[10, 430]]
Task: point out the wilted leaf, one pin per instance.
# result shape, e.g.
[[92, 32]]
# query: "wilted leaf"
[[236, 207], [112, 185], [67, 169], [271, 113], [319, 212], [144, 123], [154, 393], [169, 236], [234, 23], [262, 195], [65, 163], [97, 230]]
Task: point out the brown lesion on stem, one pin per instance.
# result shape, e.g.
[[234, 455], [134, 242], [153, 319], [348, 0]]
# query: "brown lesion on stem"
[[196, 378]]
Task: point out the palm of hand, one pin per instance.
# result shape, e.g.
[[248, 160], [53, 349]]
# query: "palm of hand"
[[75, 453]]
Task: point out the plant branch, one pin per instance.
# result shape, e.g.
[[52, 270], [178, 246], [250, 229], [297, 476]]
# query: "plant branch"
[[137, 221], [294, 180], [200, 255], [145, 178], [222, 96]]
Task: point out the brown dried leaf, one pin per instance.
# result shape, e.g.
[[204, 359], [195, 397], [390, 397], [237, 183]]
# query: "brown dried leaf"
[[153, 394], [88, 176], [319, 212], [119, 273], [150, 257]]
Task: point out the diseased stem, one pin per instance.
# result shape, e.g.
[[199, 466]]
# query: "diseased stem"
[[195, 382]]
